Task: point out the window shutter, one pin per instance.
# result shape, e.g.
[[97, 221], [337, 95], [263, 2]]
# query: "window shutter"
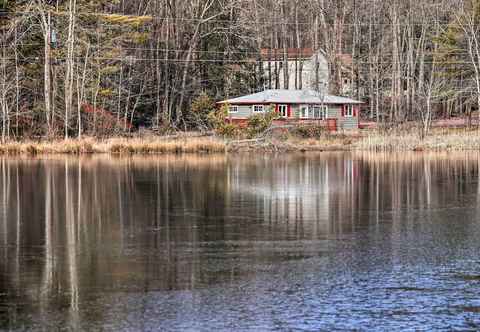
[[277, 110], [289, 110], [343, 110]]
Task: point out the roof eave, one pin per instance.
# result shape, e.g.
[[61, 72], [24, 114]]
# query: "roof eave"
[[285, 102]]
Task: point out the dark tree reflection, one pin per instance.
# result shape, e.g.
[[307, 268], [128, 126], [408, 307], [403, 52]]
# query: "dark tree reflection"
[[73, 230]]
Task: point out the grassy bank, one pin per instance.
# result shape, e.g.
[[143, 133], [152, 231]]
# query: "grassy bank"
[[372, 140], [438, 140], [152, 145]]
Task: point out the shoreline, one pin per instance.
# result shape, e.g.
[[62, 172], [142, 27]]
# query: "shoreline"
[[439, 141]]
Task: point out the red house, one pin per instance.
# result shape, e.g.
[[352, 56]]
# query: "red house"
[[300, 106]]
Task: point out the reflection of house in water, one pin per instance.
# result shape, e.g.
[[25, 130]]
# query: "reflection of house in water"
[[305, 199]]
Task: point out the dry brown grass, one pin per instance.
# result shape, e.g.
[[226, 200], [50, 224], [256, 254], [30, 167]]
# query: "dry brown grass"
[[153, 145], [158, 146], [403, 139], [437, 140], [50, 147]]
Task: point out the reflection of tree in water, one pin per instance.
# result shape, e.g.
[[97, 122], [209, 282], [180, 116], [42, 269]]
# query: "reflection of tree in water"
[[408, 180], [91, 225], [75, 230]]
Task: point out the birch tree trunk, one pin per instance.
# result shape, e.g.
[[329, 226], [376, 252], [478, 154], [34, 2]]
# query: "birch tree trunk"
[[45, 20], [70, 63]]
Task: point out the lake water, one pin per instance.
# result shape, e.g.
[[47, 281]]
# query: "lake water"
[[314, 242]]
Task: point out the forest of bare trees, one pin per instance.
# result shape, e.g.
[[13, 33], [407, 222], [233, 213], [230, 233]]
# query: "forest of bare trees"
[[78, 67]]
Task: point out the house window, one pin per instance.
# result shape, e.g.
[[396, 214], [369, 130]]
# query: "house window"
[[319, 112], [324, 112], [304, 112], [349, 113], [233, 109], [314, 112], [283, 111], [258, 109]]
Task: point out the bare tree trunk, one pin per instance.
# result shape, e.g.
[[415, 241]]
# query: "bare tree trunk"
[[299, 62], [47, 33], [167, 116], [158, 72], [81, 91], [17, 83], [95, 97], [354, 51], [4, 101], [286, 76], [70, 63], [119, 100]]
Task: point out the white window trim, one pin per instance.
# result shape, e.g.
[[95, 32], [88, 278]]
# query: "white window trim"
[[324, 108], [311, 108], [301, 112], [286, 111], [233, 109], [262, 111], [349, 112]]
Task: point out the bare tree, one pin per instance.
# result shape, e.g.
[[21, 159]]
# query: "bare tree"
[[70, 63], [46, 24]]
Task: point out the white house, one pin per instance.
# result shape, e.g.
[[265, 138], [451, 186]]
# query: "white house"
[[305, 69]]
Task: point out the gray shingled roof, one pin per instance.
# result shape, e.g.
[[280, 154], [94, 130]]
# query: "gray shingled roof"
[[290, 97]]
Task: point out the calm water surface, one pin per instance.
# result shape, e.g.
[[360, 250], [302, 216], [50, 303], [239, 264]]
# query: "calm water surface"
[[300, 242]]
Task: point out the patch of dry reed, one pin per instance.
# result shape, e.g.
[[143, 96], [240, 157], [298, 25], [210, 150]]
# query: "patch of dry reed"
[[115, 146], [436, 141], [158, 146]]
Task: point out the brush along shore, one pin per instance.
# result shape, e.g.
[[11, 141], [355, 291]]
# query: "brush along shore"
[[437, 140], [311, 139]]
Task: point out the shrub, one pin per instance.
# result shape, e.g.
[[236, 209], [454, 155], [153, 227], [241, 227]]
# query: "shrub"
[[217, 117], [217, 120], [259, 123], [200, 110], [228, 130], [203, 104]]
